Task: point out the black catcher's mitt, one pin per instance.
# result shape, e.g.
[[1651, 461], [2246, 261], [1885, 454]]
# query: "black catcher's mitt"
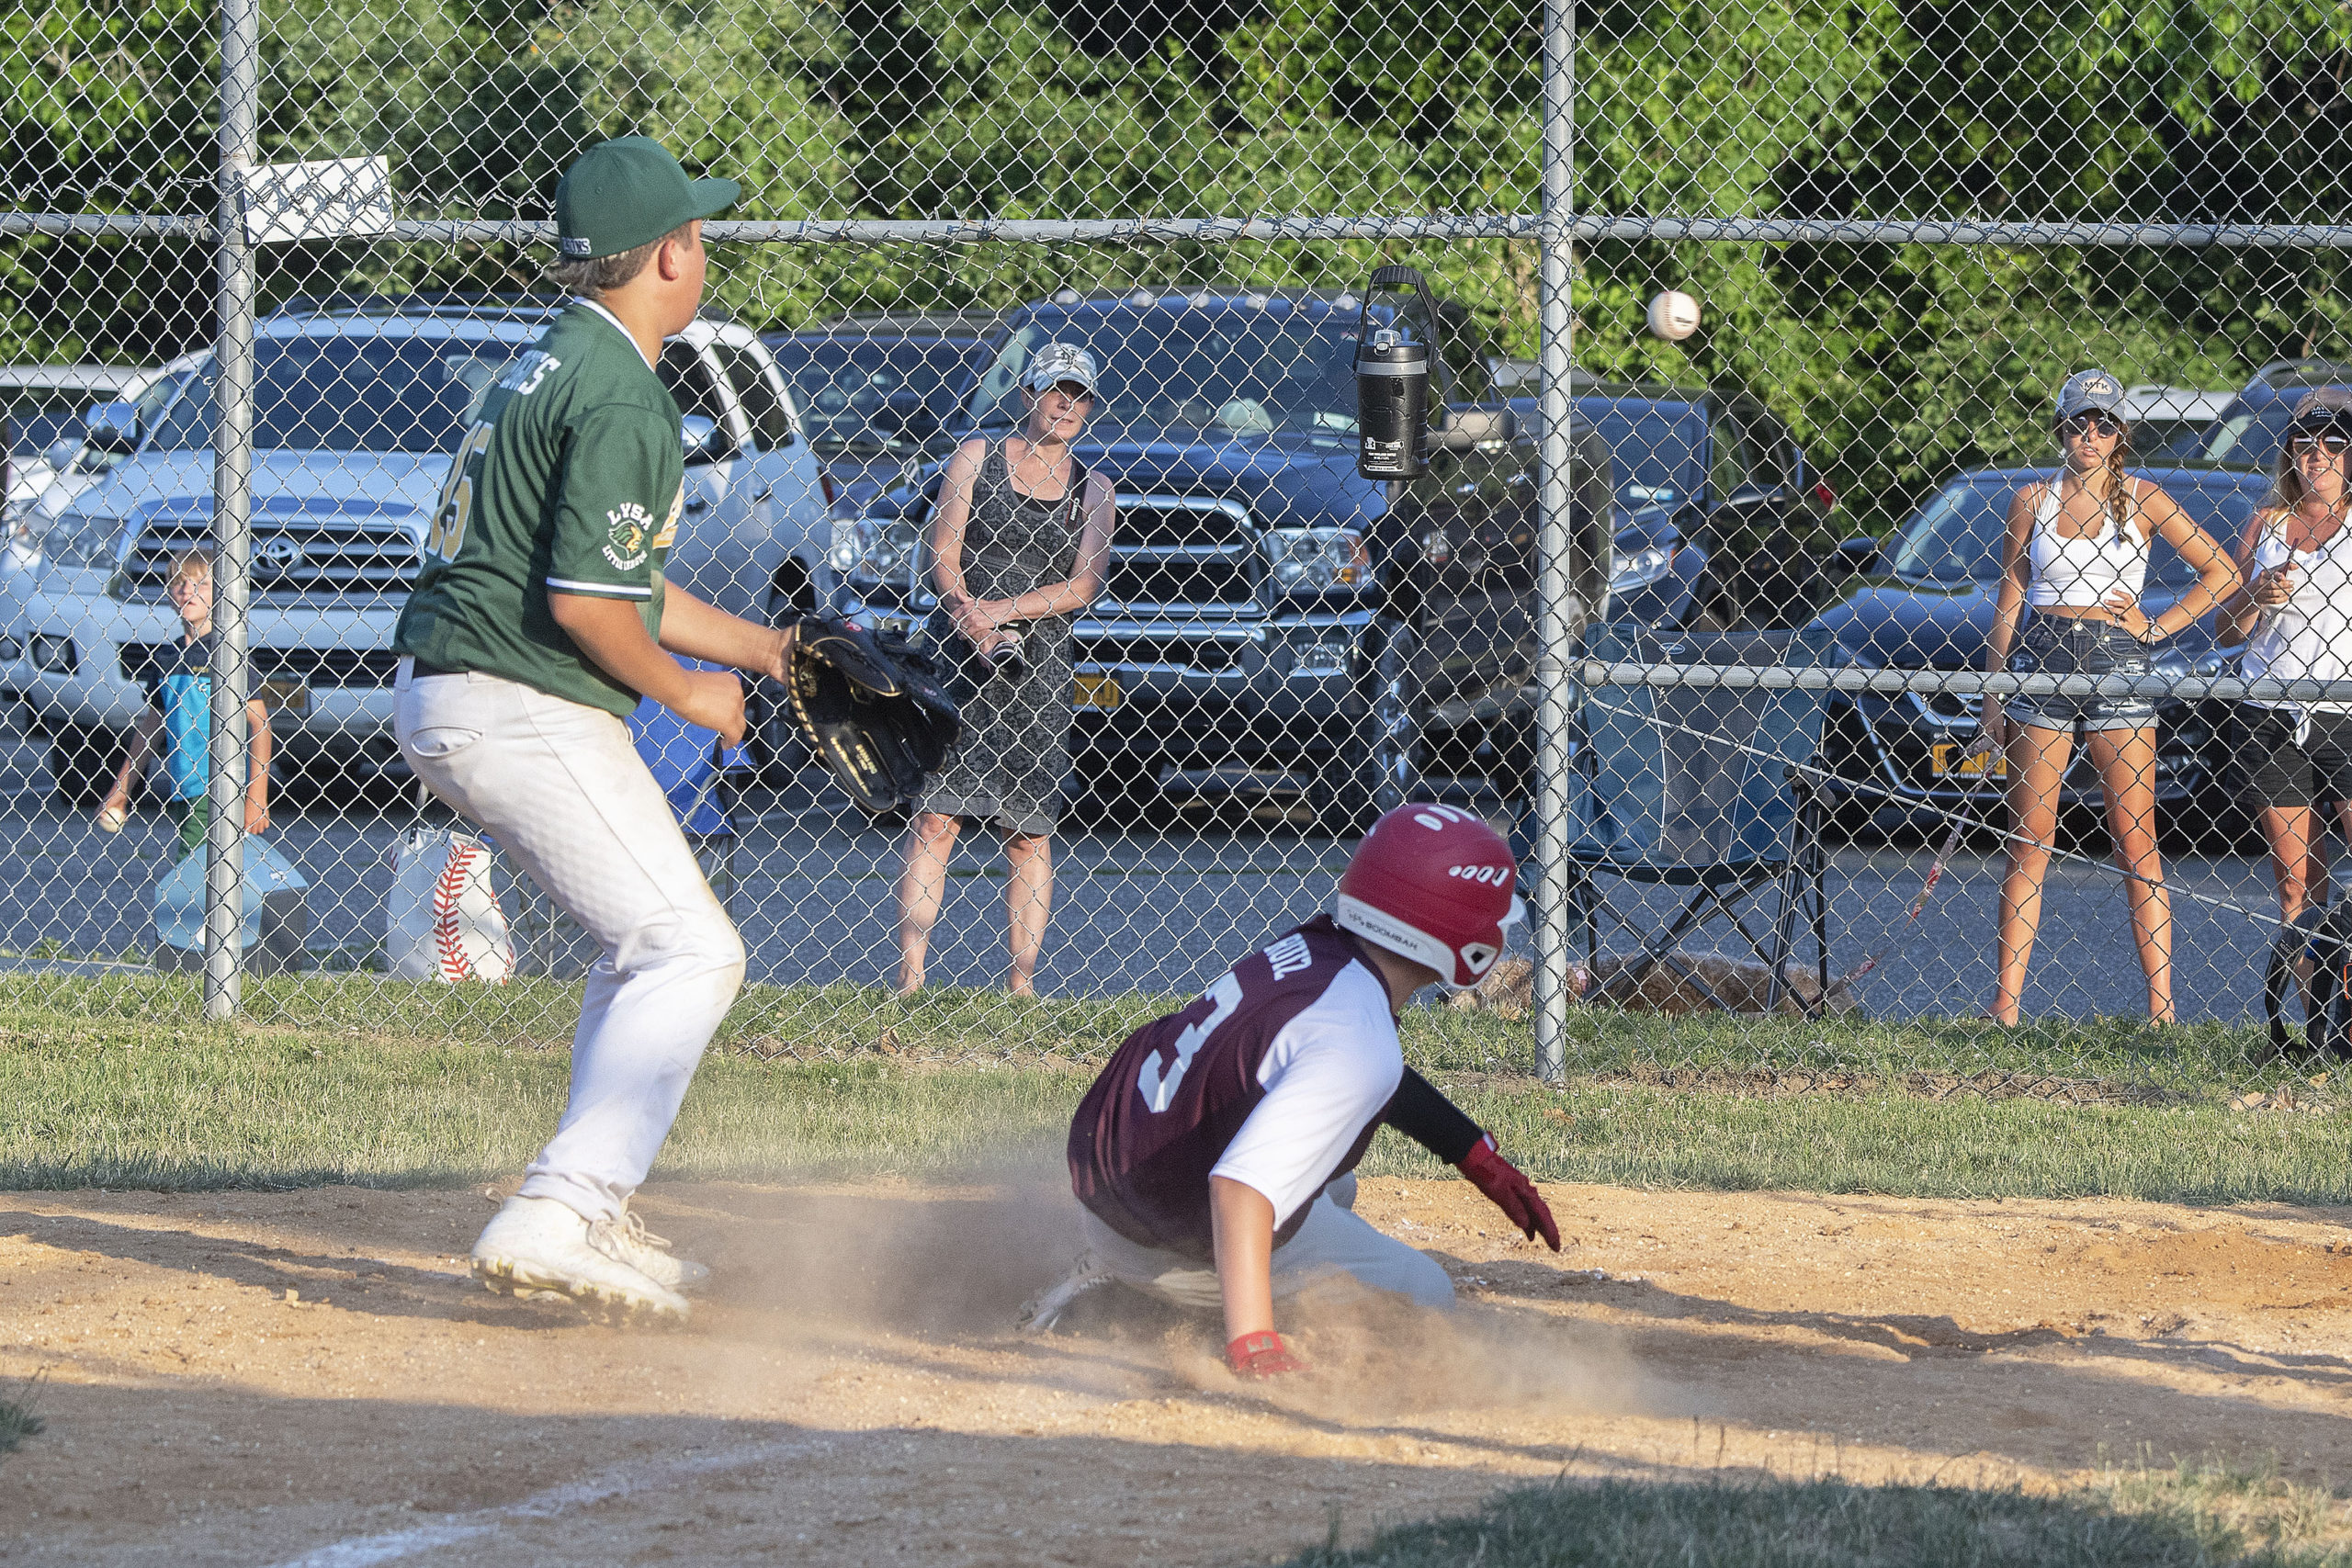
[[873, 708]]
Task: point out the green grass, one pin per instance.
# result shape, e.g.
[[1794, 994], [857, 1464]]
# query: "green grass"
[[426, 1085], [17, 1419], [2192, 1517]]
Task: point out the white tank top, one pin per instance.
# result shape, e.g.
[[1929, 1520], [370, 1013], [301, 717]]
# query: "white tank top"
[[2081, 573], [2309, 636]]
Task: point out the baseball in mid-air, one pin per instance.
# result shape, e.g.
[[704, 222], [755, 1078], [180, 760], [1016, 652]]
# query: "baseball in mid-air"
[[1674, 315]]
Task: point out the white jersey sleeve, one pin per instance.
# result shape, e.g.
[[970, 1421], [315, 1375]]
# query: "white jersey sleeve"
[[1328, 1075]]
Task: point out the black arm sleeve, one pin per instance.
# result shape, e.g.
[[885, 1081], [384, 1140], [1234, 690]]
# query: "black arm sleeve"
[[1422, 1114]]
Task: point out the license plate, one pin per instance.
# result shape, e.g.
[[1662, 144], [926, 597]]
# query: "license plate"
[[1948, 762], [283, 697], [1096, 692]]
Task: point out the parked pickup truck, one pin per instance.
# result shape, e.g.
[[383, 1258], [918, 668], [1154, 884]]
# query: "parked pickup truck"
[[357, 406], [1266, 607]]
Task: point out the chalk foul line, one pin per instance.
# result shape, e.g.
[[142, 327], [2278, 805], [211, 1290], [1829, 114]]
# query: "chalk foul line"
[[359, 1551]]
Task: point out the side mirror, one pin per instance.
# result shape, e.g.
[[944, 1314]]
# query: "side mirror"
[[1756, 495], [1857, 554], [112, 428], [1466, 429], [61, 452], [701, 439]]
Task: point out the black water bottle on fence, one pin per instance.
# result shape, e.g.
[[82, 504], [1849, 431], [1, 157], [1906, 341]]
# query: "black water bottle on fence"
[[1392, 383]]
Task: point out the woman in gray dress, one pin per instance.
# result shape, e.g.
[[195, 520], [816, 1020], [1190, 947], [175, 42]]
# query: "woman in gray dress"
[[1019, 546]]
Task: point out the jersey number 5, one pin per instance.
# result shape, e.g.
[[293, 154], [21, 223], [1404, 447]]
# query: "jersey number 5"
[[447, 534], [1159, 1088]]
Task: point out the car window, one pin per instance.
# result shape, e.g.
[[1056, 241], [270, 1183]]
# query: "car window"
[[1957, 534], [1772, 452], [1233, 371], [1727, 468], [842, 383], [349, 394], [762, 404], [2221, 509], [694, 388], [36, 418], [1653, 445], [2244, 437]]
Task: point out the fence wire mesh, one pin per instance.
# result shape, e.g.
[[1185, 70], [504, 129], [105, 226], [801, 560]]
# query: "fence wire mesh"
[[1818, 277]]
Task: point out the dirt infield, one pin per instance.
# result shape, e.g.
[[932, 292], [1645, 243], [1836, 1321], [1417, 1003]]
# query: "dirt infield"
[[261, 1378]]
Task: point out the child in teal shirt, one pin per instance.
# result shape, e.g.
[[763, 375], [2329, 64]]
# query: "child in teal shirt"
[[179, 697]]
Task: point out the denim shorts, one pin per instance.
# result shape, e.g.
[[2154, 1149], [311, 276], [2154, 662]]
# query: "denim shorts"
[[2060, 645]]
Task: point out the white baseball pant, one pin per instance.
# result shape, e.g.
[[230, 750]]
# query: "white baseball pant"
[[558, 786], [1331, 1245]]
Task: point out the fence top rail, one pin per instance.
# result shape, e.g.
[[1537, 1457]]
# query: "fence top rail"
[[1961, 683], [1430, 226]]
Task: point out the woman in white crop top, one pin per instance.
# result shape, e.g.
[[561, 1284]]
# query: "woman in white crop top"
[[2078, 555], [2295, 617]]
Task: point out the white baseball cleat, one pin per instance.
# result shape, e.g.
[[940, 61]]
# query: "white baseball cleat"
[[539, 1249], [1043, 1312], [628, 1240]]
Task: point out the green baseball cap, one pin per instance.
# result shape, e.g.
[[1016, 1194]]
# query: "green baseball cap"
[[629, 192]]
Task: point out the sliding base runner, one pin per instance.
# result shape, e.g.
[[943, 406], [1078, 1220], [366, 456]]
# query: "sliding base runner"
[[538, 621], [1215, 1155]]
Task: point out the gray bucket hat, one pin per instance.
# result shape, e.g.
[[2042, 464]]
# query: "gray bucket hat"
[[1057, 363], [2090, 392]]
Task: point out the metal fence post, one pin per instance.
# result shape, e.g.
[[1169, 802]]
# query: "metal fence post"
[[1560, 573], [231, 512]]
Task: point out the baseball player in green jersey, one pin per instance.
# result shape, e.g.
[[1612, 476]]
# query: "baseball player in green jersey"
[[538, 621]]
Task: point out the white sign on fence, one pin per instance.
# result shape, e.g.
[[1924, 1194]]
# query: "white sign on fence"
[[339, 198]]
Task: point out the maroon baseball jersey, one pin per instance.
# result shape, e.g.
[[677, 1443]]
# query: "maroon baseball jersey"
[[1276, 1077]]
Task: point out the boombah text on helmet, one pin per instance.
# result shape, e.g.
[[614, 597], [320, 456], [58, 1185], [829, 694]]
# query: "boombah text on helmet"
[[1434, 883]]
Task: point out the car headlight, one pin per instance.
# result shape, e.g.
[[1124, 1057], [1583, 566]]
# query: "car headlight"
[[1641, 567], [1316, 560], [55, 654], [82, 539], [874, 549]]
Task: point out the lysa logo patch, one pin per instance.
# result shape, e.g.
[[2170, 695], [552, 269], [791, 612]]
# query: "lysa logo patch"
[[1492, 875], [627, 528]]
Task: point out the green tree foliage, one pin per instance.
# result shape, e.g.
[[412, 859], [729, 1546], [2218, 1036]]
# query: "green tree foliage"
[[1894, 362]]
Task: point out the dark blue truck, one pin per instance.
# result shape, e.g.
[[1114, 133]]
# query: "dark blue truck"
[[1266, 607]]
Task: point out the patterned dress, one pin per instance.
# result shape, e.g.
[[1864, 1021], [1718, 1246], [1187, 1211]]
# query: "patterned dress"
[[1008, 767]]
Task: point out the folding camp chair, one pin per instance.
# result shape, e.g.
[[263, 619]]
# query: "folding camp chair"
[[1700, 787]]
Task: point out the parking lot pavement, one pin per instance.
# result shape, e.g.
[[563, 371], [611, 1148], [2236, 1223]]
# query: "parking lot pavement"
[[1162, 908]]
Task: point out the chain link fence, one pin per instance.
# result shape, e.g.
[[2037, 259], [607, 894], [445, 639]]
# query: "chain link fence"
[[1751, 325]]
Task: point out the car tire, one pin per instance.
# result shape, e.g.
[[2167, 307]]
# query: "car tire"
[[1377, 765], [82, 764]]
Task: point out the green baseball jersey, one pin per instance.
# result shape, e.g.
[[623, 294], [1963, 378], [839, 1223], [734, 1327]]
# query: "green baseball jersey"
[[571, 479]]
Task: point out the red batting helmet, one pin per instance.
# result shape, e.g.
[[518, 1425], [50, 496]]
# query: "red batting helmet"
[[1434, 883]]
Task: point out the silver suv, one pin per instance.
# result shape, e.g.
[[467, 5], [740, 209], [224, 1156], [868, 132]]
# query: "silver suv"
[[357, 405]]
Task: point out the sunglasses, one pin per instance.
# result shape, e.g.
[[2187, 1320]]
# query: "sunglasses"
[[2334, 443], [2105, 425]]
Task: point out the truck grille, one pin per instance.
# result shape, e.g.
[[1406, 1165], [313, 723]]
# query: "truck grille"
[[1174, 551], [1208, 656], [301, 547], [314, 667]]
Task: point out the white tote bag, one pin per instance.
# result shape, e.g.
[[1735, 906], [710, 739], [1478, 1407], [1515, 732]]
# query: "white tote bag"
[[444, 922]]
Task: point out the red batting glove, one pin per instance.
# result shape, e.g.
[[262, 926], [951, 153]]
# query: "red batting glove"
[[1511, 1192], [1261, 1354]]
